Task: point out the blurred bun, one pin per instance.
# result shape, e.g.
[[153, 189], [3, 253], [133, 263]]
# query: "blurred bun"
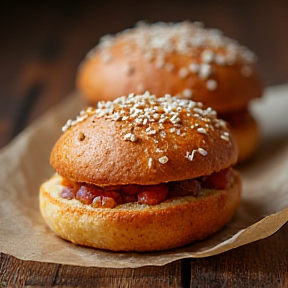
[[183, 59], [247, 136]]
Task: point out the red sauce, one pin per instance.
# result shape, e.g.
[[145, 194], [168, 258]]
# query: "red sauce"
[[111, 196]]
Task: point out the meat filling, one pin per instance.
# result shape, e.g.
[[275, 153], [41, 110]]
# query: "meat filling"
[[111, 196]]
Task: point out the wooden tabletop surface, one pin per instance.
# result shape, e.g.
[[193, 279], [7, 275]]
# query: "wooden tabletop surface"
[[41, 47]]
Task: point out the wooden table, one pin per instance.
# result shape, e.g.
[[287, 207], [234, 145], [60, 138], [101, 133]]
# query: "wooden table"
[[42, 45]]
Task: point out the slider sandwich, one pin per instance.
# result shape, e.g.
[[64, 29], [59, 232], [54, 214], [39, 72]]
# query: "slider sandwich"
[[142, 173]]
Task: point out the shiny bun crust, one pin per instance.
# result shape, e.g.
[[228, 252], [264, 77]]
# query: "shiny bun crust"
[[136, 227], [143, 140], [182, 59]]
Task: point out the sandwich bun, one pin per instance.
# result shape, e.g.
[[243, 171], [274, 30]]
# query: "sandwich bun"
[[144, 142]]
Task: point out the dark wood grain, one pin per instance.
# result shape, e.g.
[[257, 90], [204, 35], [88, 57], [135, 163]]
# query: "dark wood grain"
[[42, 44], [17, 273], [260, 264]]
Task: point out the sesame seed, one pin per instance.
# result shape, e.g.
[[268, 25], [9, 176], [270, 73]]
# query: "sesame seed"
[[130, 137], [193, 67], [205, 71], [163, 159], [211, 84], [151, 132], [150, 162], [207, 56], [220, 59], [202, 151], [225, 136], [202, 130], [187, 93], [183, 72], [189, 156]]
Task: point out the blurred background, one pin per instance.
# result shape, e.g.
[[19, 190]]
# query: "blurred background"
[[43, 42]]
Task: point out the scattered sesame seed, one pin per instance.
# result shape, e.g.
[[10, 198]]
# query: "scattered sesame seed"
[[202, 130], [187, 93], [130, 137], [193, 67], [189, 156], [151, 132], [157, 40], [211, 84], [225, 136], [150, 162], [183, 72], [202, 151], [163, 159], [205, 71], [207, 56], [149, 113], [220, 59]]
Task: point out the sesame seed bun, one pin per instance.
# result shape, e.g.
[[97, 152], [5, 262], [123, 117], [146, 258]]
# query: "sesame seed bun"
[[137, 227], [142, 140], [184, 59], [105, 149]]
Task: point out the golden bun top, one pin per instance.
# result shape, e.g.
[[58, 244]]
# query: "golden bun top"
[[145, 140], [184, 59]]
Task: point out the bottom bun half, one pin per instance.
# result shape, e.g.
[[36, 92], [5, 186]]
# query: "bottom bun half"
[[137, 227]]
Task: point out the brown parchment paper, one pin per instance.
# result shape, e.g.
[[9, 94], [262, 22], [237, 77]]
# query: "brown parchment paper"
[[24, 165]]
